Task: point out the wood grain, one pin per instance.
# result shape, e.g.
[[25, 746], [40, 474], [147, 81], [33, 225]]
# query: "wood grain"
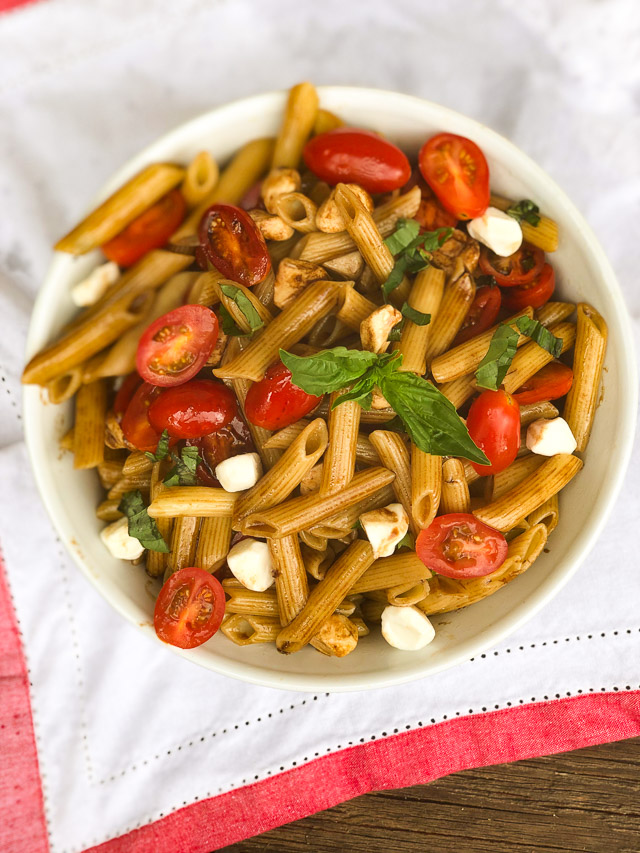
[[588, 800]]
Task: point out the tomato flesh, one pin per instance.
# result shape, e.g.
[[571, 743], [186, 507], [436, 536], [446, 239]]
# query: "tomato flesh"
[[350, 155], [150, 230], [535, 294], [457, 172], [232, 242], [136, 426], [125, 393], [275, 402], [481, 315], [458, 545], [193, 409], [494, 424], [177, 345], [189, 608], [520, 268], [554, 380], [230, 440]]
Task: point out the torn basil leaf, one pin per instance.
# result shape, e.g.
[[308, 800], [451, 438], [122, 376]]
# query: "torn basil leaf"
[[140, 524]]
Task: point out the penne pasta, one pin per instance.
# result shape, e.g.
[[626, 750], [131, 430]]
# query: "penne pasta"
[[88, 431], [63, 387], [514, 474], [196, 501], [348, 266], [292, 587], [299, 119], [455, 488], [316, 562], [425, 297], [455, 304], [339, 462], [341, 524], [353, 307], [544, 235], [554, 312], [158, 561], [213, 543], [184, 539], [426, 486], [530, 412], [298, 212], [200, 178], [403, 568], [531, 358], [459, 390], [394, 455], [249, 629], [108, 510], [547, 513], [407, 594]]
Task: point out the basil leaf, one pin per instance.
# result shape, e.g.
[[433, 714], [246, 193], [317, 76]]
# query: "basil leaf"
[[430, 419], [183, 472], [361, 392], [244, 305], [229, 325], [527, 210], [396, 333], [412, 250], [494, 366], [395, 276], [140, 524], [162, 449], [328, 370], [406, 232], [407, 541], [396, 424], [417, 317], [540, 334]]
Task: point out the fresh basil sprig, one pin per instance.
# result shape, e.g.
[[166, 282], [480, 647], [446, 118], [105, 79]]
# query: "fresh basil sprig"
[[495, 365], [183, 472], [411, 249], [244, 306], [527, 210], [430, 419], [162, 449], [140, 524]]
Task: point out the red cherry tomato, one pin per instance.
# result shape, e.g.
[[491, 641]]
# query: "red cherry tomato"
[[229, 440], [458, 545], [177, 345], [189, 609], [126, 391], [275, 402], [481, 315], [494, 424], [232, 242], [136, 426], [552, 381], [520, 268], [253, 197], [350, 155], [535, 294], [150, 230], [430, 214], [457, 171], [193, 409]]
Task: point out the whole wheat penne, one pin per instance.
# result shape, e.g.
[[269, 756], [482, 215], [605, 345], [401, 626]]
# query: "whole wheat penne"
[[298, 212], [353, 307], [394, 455], [200, 178], [339, 464], [136, 463], [446, 594], [141, 483], [264, 290], [404, 567], [348, 266], [466, 357], [470, 472], [277, 484], [121, 208], [88, 432], [327, 332], [407, 594], [377, 416], [312, 541], [544, 235], [232, 306], [196, 501], [425, 296], [299, 118], [325, 597], [302, 513], [554, 312], [553, 475], [531, 358], [246, 601], [341, 524], [249, 629], [366, 453], [530, 412], [292, 586], [157, 561], [108, 510], [320, 247], [109, 472], [286, 329], [184, 540], [547, 513], [316, 562], [514, 474], [588, 359], [455, 488], [456, 301], [213, 542], [459, 390], [326, 120], [426, 486], [206, 289]]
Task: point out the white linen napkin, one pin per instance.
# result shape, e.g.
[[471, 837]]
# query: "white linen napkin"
[[125, 731]]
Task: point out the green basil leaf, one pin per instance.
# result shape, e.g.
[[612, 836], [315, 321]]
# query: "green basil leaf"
[[527, 210], [140, 524], [406, 232], [417, 317], [396, 424], [407, 541], [432, 240], [396, 333], [541, 335], [328, 370], [162, 449], [494, 366], [411, 249], [183, 472], [244, 304], [229, 325], [361, 392], [395, 277], [430, 419]]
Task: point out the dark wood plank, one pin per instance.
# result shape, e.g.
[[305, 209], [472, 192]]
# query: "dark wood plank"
[[588, 800]]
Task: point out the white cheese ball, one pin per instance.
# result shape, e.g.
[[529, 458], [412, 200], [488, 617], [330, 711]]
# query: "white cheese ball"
[[239, 472], [406, 628], [120, 545], [385, 528], [96, 284], [250, 562], [548, 437], [497, 230]]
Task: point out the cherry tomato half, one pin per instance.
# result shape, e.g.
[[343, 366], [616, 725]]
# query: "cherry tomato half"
[[494, 424], [552, 381], [430, 214], [229, 440], [535, 294], [189, 609], [193, 409], [275, 402], [457, 171], [520, 268], [232, 242], [125, 393], [357, 156], [150, 230], [458, 545], [177, 345], [136, 426], [481, 315]]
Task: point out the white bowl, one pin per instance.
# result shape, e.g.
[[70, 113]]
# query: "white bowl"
[[584, 274]]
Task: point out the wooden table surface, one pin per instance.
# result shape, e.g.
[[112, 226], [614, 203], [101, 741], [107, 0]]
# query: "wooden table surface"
[[588, 800]]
